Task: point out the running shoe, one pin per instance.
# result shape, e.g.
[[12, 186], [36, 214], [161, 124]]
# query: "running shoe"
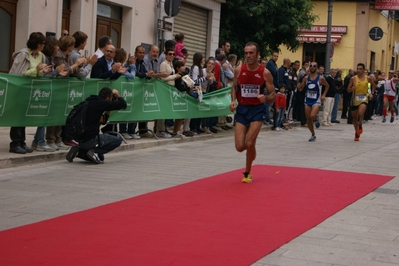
[[73, 151], [360, 131], [317, 124], [94, 157], [312, 138], [357, 137], [384, 120], [392, 119], [247, 179]]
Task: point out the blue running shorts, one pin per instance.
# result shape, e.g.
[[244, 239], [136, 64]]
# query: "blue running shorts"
[[245, 114]]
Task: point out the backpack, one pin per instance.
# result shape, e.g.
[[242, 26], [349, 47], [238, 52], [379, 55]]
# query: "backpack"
[[76, 125]]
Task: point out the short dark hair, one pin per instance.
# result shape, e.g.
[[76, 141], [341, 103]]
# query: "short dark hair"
[[170, 44], [253, 44], [103, 41], [138, 47], [184, 51], [217, 51], [225, 42], [177, 64], [105, 93], [35, 38], [362, 65], [221, 57], [80, 37]]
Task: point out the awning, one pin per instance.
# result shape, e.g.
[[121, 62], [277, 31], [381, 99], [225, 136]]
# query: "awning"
[[318, 38]]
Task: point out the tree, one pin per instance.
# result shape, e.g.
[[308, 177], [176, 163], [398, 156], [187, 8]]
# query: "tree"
[[270, 23]]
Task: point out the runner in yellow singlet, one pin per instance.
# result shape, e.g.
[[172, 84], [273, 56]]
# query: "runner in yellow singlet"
[[358, 85]]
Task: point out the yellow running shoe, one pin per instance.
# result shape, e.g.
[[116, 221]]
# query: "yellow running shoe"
[[247, 179]]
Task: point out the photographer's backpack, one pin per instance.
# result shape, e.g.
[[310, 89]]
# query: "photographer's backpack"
[[76, 125]]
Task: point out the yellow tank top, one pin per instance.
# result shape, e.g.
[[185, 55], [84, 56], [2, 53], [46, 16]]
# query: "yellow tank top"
[[360, 93]]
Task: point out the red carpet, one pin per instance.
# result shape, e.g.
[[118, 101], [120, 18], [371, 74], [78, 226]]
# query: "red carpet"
[[212, 221]]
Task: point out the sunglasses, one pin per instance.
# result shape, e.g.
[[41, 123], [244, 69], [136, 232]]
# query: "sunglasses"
[[66, 34], [171, 53], [312, 65]]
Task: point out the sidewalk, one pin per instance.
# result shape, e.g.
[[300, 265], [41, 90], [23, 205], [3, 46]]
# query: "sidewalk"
[[8, 159]]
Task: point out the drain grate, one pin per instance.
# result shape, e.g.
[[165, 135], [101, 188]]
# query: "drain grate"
[[387, 191]]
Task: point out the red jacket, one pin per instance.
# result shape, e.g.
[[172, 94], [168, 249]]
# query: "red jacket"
[[281, 101]]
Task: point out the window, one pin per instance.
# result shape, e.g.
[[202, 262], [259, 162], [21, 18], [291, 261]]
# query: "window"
[[109, 22], [7, 22]]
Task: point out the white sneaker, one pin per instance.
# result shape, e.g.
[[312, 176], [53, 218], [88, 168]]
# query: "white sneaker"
[[126, 136], [279, 129], [135, 136], [44, 147], [163, 134], [177, 135], [62, 146], [53, 146]]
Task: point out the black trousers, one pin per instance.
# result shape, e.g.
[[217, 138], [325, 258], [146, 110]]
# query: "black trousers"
[[17, 136]]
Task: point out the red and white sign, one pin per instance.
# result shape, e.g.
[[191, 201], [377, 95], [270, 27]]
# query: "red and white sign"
[[322, 28], [386, 4], [318, 38]]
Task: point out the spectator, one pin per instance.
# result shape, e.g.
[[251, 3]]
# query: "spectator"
[[120, 56], [106, 67], [80, 44], [29, 62], [102, 43], [180, 69], [152, 65], [167, 67], [179, 38], [281, 105], [53, 133]]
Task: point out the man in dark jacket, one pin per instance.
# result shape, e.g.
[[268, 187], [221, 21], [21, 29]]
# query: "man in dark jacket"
[[93, 146], [272, 67]]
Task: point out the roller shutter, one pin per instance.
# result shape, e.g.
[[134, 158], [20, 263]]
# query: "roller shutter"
[[192, 21]]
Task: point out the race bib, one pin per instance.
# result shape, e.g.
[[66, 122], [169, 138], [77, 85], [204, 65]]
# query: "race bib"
[[361, 97], [250, 91], [311, 94]]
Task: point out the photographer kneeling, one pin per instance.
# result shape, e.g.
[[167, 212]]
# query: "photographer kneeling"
[[93, 145]]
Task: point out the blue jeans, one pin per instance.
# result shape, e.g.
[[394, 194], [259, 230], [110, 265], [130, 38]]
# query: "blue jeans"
[[267, 112], [108, 143], [131, 128], [334, 111], [280, 117], [39, 136]]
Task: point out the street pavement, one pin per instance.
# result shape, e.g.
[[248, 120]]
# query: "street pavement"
[[40, 186]]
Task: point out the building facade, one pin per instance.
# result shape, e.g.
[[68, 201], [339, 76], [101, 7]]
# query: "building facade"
[[128, 22], [359, 33]]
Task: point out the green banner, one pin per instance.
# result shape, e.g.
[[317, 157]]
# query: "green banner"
[[28, 101]]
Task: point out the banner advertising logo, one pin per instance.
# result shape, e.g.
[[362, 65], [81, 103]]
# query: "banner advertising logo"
[[127, 93], [75, 94], [150, 99], [179, 100], [3, 94], [40, 98]]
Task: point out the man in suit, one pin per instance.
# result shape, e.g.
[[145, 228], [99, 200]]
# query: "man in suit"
[[106, 68]]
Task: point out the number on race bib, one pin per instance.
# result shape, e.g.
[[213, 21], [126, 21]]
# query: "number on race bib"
[[311, 94], [361, 97], [250, 91]]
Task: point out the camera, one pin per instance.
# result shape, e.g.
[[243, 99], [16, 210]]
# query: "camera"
[[114, 97]]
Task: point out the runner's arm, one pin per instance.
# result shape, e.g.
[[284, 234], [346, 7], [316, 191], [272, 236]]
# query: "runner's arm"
[[233, 103], [271, 93], [351, 85]]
